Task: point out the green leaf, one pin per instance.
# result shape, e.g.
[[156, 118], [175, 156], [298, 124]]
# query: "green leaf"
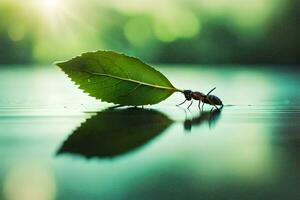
[[117, 78], [115, 132]]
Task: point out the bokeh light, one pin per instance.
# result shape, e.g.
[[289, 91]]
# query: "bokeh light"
[[138, 31], [50, 30], [29, 182]]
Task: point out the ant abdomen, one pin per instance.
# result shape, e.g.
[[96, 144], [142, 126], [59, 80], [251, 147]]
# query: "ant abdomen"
[[212, 99]]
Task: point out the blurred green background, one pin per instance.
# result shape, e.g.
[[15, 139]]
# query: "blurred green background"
[[168, 31]]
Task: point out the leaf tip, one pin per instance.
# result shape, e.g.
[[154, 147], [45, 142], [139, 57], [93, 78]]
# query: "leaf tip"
[[59, 63]]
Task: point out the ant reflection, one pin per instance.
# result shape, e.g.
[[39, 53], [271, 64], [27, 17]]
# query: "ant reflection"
[[211, 117]]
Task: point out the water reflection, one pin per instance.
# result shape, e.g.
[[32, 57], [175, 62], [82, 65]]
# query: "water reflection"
[[114, 132], [211, 117]]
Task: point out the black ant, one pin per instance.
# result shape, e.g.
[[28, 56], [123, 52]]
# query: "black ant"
[[199, 96]]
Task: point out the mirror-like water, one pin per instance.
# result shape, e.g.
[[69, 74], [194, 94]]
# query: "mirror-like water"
[[55, 144]]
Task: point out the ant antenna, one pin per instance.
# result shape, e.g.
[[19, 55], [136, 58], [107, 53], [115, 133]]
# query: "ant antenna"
[[211, 91]]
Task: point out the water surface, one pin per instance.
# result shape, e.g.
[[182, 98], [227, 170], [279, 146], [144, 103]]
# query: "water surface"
[[58, 143]]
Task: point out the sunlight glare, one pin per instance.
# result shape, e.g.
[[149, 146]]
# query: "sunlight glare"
[[51, 4], [49, 8]]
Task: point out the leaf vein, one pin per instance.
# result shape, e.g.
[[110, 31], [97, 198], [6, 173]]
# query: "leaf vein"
[[135, 81]]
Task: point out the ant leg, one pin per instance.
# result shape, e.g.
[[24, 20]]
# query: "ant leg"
[[202, 107], [190, 105], [181, 103], [199, 104], [216, 107]]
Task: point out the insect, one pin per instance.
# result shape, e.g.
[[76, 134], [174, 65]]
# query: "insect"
[[200, 97]]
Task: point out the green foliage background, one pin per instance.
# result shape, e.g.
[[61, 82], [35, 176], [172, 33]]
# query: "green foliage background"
[[169, 31]]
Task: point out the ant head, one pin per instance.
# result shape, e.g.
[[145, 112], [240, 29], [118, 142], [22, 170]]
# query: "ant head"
[[188, 94]]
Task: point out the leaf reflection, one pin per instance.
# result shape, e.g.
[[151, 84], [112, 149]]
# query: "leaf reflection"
[[114, 132]]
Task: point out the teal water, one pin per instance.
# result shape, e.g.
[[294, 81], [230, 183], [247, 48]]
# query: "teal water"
[[58, 143]]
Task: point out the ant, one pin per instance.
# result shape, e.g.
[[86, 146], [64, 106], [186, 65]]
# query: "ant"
[[199, 96]]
